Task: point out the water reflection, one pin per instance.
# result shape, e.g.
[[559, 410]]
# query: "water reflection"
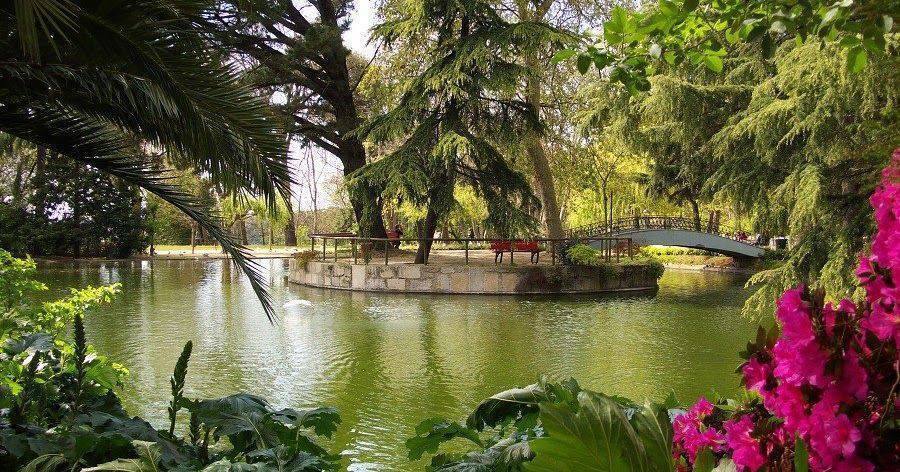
[[388, 361]]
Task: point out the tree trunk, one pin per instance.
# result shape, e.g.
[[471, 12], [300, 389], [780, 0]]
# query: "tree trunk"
[[290, 229], [242, 230], [542, 174], [17, 183], [365, 199], [695, 208], [426, 232]]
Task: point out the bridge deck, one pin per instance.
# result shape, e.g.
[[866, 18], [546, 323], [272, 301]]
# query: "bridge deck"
[[673, 231]]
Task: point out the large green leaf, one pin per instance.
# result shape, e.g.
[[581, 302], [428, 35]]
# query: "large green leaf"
[[31, 343], [45, 463], [515, 403], [705, 460], [148, 456], [322, 420], [225, 465], [232, 414], [654, 429], [506, 405], [251, 424], [597, 437], [134, 428], [431, 433]]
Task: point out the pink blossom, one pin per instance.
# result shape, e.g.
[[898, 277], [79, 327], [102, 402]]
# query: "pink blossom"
[[756, 374], [800, 363], [853, 377], [853, 464], [789, 404], [702, 408], [746, 449], [793, 313], [690, 433], [833, 439]]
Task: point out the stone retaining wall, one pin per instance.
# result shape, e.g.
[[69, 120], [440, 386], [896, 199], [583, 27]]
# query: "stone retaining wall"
[[499, 279]]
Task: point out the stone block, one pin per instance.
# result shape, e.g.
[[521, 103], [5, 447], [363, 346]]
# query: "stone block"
[[476, 281], [396, 284], [410, 271], [440, 283], [508, 282], [419, 285], [374, 283], [358, 277], [459, 283], [491, 283]]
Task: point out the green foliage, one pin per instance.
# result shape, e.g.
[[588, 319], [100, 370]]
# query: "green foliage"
[[303, 257], [603, 435], [455, 118], [553, 427], [59, 409], [803, 155], [582, 254], [177, 384], [796, 143], [635, 43], [139, 78], [653, 267], [76, 210]]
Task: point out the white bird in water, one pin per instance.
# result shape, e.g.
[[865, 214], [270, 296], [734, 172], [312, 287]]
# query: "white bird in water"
[[294, 303]]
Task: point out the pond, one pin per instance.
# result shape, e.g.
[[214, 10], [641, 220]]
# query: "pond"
[[388, 361]]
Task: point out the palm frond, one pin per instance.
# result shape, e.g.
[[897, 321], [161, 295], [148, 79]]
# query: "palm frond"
[[104, 147], [141, 72]]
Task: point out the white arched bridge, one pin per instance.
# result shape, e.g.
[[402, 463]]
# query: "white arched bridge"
[[672, 231]]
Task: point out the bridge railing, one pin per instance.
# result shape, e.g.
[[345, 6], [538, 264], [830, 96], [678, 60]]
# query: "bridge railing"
[[632, 223], [335, 246]]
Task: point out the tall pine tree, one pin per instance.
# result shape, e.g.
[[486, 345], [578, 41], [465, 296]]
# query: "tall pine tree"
[[454, 117]]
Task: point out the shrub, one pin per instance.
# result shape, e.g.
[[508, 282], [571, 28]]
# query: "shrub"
[[582, 254], [654, 268], [551, 427], [303, 257], [59, 409], [824, 389]]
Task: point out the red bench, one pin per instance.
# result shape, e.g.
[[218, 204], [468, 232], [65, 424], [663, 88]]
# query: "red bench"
[[394, 235], [531, 247]]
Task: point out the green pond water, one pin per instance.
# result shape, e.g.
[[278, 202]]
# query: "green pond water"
[[389, 361]]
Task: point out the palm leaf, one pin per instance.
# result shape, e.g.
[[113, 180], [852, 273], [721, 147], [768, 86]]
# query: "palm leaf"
[[141, 72], [104, 147]]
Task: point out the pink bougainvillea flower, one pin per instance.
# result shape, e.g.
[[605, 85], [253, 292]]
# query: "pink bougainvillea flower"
[[826, 377], [746, 450], [789, 404], [793, 313], [756, 375], [853, 377], [702, 408], [690, 435], [800, 363]]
